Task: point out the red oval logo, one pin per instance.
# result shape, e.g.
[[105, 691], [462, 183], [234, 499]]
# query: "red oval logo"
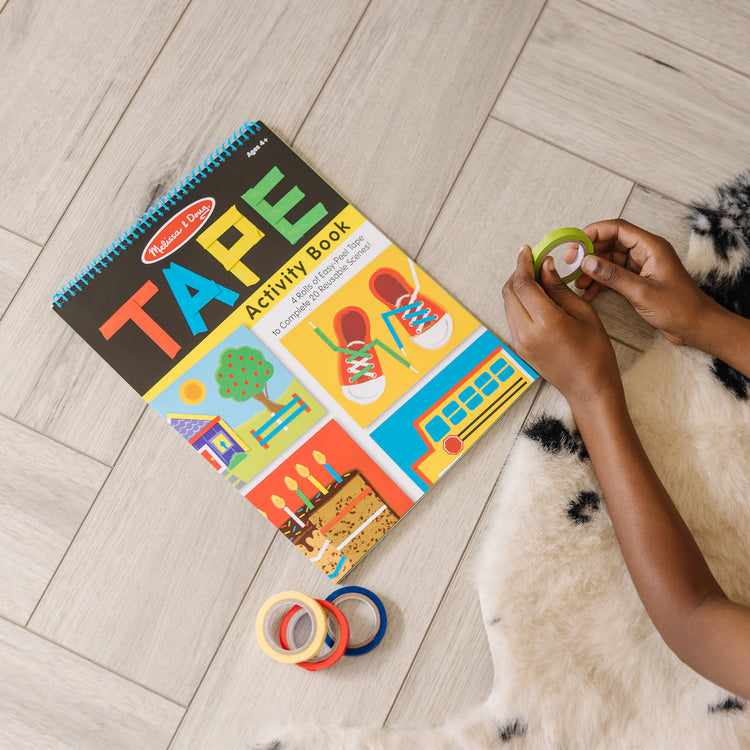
[[178, 230]]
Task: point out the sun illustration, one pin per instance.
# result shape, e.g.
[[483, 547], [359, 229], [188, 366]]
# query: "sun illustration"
[[192, 392]]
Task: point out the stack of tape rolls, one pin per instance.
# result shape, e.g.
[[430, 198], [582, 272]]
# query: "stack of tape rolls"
[[330, 635], [568, 247]]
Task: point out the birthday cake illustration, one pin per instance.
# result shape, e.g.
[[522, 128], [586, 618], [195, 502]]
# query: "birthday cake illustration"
[[338, 526]]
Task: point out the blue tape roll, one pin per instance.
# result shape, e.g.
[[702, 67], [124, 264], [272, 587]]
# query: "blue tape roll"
[[381, 619]]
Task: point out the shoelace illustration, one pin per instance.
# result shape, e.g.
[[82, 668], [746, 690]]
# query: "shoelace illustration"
[[417, 314], [360, 365], [361, 353]]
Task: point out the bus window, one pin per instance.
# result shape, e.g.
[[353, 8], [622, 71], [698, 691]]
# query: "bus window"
[[501, 369], [470, 397], [454, 412], [437, 428], [486, 383]]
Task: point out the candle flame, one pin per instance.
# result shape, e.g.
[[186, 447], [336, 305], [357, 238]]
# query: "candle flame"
[[303, 471], [319, 457], [278, 501], [291, 484]]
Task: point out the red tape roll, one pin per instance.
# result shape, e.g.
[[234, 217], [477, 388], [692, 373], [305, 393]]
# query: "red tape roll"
[[339, 645]]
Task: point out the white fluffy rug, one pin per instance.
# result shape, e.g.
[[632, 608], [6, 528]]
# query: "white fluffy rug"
[[578, 664]]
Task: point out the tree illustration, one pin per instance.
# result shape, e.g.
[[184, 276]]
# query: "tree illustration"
[[243, 374]]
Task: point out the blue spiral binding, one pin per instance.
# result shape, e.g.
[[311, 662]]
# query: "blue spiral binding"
[[155, 213]]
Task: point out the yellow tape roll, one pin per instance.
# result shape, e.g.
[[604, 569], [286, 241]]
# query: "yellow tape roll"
[[569, 270], [268, 640]]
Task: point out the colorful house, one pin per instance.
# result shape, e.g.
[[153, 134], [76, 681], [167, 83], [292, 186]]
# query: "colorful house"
[[211, 436]]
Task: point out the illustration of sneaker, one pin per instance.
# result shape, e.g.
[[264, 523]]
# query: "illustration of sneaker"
[[361, 376], [427, 324]]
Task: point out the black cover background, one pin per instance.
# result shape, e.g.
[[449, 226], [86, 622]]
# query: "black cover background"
[[130, 351]]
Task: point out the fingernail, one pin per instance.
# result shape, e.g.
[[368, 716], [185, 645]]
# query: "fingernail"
[[550, 263], [521, 249]]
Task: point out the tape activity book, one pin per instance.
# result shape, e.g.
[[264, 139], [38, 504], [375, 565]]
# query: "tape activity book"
[[310, 361]]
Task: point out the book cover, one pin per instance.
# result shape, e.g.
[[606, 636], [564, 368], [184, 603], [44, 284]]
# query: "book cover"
[[310, 361]]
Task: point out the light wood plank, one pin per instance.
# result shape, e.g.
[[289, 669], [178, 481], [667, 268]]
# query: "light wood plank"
[[405, 103], [16, 256], [258, 60], [46, 491], [629, 101], [158, 568], [69, 71], [245, 692], [55, 383], [514, 189], [453, 672], [716, 29], [51, 699]]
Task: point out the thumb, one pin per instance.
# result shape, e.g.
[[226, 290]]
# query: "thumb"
[[556, 288], [610, 274]]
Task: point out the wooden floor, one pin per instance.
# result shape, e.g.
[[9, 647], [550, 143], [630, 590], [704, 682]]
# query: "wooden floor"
[[130, 573]]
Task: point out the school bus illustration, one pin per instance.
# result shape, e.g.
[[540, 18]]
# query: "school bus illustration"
[[455, 422]]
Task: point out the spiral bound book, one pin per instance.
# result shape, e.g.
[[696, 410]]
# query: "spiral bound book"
[[310, 361]]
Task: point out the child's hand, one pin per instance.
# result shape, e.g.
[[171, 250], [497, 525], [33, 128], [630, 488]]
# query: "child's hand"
[[646, 270], [559, 334]]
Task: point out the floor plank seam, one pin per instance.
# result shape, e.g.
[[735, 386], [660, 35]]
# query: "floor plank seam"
[[17, 623], [627, 198], [480, 130], [220, 643], [518, 56], [456, 568], [23, 281], [330, 72], [586, 159], [672, 42], [55, 440], [453, 184], [85, 516], [94, 160], [20, 236], [96, 664]]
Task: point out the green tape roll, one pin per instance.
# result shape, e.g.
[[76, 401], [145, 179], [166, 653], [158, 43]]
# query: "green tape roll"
[[568, 270]]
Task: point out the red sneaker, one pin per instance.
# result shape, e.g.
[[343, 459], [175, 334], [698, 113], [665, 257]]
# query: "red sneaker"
[[427, 324], [361, 376]]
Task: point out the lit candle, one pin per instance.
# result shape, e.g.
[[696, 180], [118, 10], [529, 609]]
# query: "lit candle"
[[304, 472], [321, 459], [293, 486], [281, 505]]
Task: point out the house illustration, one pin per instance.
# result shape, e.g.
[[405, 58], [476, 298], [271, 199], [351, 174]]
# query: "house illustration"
[[211, 436]]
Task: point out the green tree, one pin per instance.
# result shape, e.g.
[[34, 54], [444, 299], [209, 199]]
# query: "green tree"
[[243, 374]]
